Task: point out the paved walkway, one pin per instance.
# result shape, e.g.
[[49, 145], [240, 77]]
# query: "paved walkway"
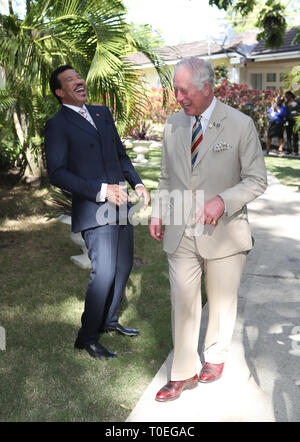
[[261, 380]]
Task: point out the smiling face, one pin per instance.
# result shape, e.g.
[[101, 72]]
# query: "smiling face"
[[73, 88], [192, 100]]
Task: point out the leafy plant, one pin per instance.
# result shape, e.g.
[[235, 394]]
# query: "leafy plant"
[[92, 36], [61, 201], [271, 19], [250, 101]]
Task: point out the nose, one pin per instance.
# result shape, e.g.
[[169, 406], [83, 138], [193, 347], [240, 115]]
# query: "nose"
[[179, 96]]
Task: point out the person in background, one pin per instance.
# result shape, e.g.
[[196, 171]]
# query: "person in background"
[[293, 108], [276, 115]]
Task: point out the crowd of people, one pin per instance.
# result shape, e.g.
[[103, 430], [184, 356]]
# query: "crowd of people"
[[281, 115]]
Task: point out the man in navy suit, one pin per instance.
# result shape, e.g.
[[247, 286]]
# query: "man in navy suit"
[[85, 156]]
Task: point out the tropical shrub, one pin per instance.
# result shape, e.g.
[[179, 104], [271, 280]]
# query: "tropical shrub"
[[249, 101], [90, 35]]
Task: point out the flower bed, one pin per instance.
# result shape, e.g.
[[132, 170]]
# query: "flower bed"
[[251, 102]]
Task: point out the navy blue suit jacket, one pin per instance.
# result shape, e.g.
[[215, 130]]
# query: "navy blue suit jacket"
[[80, 158]]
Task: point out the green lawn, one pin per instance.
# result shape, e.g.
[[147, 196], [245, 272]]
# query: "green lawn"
[[286, 170], [42, 377]]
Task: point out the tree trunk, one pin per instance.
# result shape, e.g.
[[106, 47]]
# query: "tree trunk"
[[33, 169], [10, 8]]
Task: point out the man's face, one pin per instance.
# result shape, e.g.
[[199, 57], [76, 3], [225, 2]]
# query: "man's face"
[[192, 100], [73, 88]]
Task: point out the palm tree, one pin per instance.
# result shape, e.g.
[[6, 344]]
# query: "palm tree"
[[92, 36]]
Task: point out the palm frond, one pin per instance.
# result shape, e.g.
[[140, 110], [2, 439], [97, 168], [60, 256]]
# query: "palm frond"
[[61, 201], [6, 101]]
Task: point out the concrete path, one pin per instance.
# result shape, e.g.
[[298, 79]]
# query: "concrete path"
[[261, 380]]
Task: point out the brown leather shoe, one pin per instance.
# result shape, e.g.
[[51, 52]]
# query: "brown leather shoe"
[[210, 372], [172, 390]]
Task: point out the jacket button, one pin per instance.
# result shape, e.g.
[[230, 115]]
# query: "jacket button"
[[92, 145]]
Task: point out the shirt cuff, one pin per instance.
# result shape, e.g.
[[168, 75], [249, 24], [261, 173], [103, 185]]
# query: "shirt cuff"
[[225, 210], [101, 195]]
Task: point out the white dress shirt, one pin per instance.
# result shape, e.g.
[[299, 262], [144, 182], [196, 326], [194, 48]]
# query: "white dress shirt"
[[205, 116], [204, 122]]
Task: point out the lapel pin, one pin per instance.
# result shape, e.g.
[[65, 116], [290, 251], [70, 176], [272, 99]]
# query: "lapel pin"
[[97, 115]]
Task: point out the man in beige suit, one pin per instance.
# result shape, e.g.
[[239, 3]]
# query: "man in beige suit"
[[227, 170]]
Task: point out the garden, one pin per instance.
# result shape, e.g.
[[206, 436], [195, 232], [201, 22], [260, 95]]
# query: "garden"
[[42, 292]]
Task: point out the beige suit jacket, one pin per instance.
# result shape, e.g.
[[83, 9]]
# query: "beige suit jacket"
[[230, 163]]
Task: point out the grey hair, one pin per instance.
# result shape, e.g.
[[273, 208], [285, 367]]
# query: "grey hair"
[[201, 70]]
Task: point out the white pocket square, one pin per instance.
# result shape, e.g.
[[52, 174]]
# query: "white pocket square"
[[221, 146]]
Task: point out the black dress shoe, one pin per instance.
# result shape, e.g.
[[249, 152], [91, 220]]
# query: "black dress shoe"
[[122, 330], [96, 350]]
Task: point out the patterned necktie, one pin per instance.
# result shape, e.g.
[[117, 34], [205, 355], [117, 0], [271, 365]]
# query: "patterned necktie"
[[84, 114], [197, 136]]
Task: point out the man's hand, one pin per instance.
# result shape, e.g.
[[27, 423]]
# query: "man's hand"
[[117, 194], [142, 192], [211, 211], [155, 229]]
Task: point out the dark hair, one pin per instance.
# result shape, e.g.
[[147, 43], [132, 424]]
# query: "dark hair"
[[279, 100], [290, 93], [54, 81]]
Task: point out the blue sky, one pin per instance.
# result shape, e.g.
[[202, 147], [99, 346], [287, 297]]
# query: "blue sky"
[[180, 21]]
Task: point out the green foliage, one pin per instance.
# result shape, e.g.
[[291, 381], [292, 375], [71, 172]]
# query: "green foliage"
[[251, 102], [293, 79], [10, 149], [149, 35], [92, 36], [221, 71], [221, 4], [293, 82], [156, 112], [297, 37], [61, 202], [245, 8], [271, 20], [6, 101]]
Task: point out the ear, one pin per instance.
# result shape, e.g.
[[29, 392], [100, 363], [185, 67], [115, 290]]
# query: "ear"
[[59, 93], [207, 89]]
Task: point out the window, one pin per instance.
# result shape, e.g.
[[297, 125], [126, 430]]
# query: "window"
[[256, 81], [282, 76], [271, 78]]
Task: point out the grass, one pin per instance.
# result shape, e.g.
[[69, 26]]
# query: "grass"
[[286, 170], [42, 377]]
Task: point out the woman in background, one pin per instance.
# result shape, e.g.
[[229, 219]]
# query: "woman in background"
[[276, 115]]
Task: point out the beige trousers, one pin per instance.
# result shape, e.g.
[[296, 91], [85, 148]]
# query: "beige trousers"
[[222, 281]]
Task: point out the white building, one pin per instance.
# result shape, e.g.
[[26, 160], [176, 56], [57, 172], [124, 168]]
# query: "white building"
[[248, 61]]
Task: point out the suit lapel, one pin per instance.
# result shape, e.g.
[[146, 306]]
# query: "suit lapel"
[[98, 115], [78, 120], [213, 130], [184, 146]]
